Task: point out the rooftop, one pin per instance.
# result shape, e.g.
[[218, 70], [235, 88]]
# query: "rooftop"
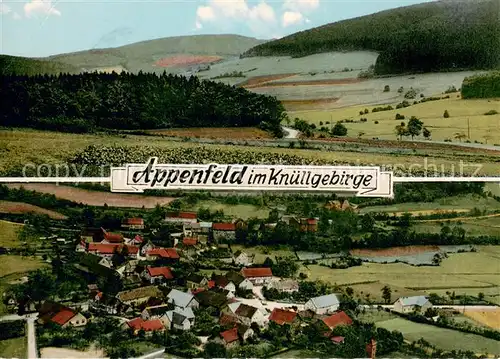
[[256, 272], [165, 272], [282, 316], [223, 226], [230, 335], [334, 320]]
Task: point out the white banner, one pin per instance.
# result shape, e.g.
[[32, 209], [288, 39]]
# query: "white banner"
[[359, 181]]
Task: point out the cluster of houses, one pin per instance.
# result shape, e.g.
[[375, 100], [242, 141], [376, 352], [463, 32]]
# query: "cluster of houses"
[[152, 300]]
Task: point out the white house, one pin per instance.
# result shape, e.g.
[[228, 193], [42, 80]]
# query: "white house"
[[240, 281], [248, 315], [324, 304], [182, 300], [180, 319], [409, 304], [285, 285], [258, 276], [243, 259], [157, 275]]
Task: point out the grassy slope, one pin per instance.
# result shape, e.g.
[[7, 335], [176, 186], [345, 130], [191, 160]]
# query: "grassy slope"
[[133, 57], [30, 66], [142, 55], [435, 35]]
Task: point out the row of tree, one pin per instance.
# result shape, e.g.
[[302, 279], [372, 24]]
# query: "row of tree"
[[84, 102]]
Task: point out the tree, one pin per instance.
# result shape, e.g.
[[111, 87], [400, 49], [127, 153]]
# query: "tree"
[[214, 350], [480, 296], [367, 222], [446, 114], [460, 136], [402, 131], [426, 133], [361, 134], [386, 294], [339, 129], [414, 126], [387, 88]]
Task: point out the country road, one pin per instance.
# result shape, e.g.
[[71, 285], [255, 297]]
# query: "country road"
[[290, 132], [32, 350]]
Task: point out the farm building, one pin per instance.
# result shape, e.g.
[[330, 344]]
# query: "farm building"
[[324, 304], [258, 275], [181, 217], [409, 304], [133, 223], [222, 231]]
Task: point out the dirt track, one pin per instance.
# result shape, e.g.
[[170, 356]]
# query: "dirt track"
[[95, 198]]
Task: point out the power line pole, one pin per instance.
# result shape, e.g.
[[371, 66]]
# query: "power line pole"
[[468, 128]]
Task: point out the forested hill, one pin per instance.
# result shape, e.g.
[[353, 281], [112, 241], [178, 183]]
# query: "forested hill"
[[84, 102], [434, 36]]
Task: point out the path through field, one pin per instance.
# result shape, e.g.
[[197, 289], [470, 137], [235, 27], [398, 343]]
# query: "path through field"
[[95, 198]]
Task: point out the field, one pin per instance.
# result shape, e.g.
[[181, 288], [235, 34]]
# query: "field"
[[446, 339], [244, 211], [394, 251], [455, 203], [460, 272], [259, 252], [375, 291], [186, 60], [8, 234], [483, 225], [55, 148], [235, 133], [489, 318], [95, 198], [20, 208], [11, 264], [463, 113], [13, 348]]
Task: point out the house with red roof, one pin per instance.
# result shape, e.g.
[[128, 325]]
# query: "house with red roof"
[[258, 275], [283, 316], [236, 335], [181, 217], [109, 237], [223, 231], [162, 253], [136, 241], [133, 223], [149, 326], [108, 249], [157, 275], [61, 315], [337, 319]]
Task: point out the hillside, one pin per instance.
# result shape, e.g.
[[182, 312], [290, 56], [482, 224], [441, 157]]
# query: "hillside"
[[149, 56], [10, 65], [143, 55], [434, 36]]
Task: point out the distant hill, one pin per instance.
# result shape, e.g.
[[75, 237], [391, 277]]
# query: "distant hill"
[[433, 36], [30, 66], [138, 56]]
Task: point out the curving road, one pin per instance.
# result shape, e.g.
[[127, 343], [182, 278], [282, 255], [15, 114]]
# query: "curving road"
[[290, 132]]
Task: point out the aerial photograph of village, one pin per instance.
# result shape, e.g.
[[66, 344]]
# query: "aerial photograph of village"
[[411, 87]]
